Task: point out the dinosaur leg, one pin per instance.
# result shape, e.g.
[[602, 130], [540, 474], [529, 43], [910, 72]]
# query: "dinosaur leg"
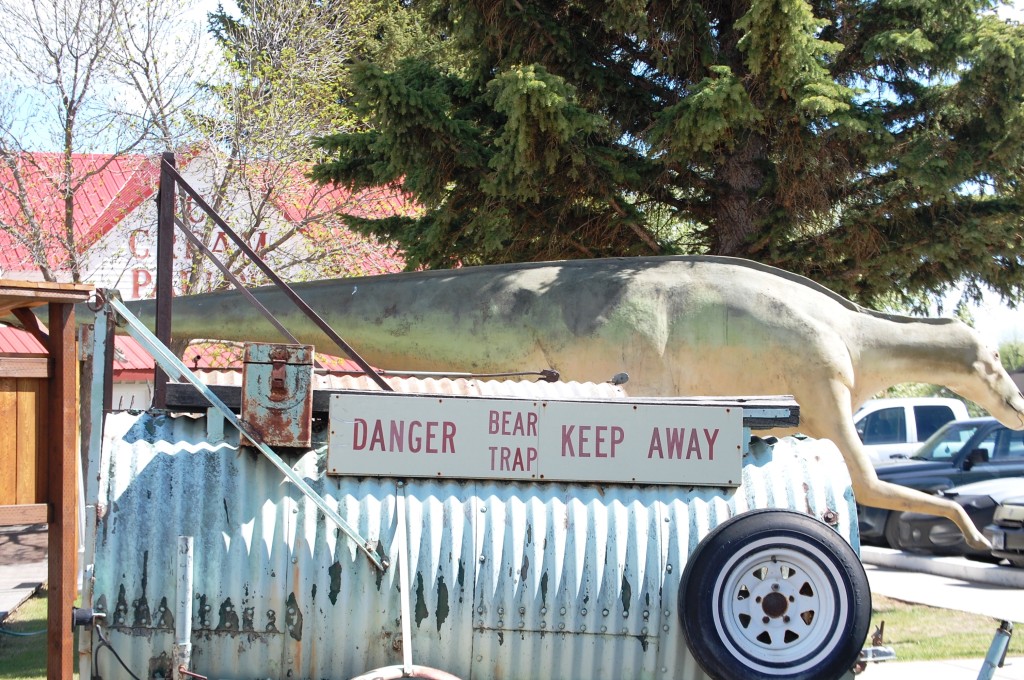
[[832, 420]]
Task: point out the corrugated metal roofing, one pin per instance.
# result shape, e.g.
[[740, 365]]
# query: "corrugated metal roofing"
[[508, 580], [17, 341]]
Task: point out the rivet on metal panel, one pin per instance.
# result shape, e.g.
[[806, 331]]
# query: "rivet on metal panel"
[[625, 614], [562, 611], [583, 629], [604, 629], [483, 509], [522, 624], [561, 626], [665, 628], [583, 612], [668, 568], [625, 631], [479, 624], [522, 610], [501, 610], [295, 560], [830, 517], [643, 631], [500, 623], [479, 657], [543, 624], [482, 559], [543, 610], [479, 610], [604, 612], [401, 484], [667, 613], [647, 614]]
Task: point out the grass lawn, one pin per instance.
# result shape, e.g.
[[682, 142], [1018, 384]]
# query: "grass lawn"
[[916, 632], [24, 658], [920, 633]]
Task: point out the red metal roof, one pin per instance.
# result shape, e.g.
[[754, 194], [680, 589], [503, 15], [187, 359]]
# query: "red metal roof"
[[132, 362], [110, 188], [17, 341]]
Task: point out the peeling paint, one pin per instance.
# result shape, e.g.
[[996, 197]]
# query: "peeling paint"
[[166, 619], [228, 616], [204, 611], [293, 618], [421, 603], [626, 591], [442, 602], [160, 666], [334, 571]]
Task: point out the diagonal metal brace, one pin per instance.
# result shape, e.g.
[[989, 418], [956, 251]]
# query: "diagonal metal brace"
[[176, 370]]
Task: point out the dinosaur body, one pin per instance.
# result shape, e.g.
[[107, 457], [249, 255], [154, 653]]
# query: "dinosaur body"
[[677, 325]]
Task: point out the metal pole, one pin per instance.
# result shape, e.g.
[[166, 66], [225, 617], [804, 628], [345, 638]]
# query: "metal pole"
[[182, 657], [997, 651], [164, 271]]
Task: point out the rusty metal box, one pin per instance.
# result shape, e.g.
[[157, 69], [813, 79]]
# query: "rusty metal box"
[[277, 392]]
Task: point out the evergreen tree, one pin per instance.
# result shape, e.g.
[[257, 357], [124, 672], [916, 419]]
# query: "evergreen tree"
[[871, 145]]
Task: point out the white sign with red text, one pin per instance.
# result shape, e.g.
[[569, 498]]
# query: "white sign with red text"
[[395, 435]]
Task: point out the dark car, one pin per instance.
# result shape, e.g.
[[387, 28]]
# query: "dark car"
[[921, 533], [1007, 531], [961, 452]]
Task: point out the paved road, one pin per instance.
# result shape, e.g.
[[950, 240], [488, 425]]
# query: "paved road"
[[22, 565]]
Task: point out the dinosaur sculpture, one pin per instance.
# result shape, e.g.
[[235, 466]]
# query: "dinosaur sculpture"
[[677, 325]]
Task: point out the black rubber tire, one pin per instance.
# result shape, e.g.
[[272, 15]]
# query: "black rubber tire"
[[800, 602], [892, 530]]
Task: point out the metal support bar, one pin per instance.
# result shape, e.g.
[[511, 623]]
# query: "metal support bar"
[[182, 653], [996, 651], [402, 539], [164, 272], [177, 370], [167, 169], [201, 247]]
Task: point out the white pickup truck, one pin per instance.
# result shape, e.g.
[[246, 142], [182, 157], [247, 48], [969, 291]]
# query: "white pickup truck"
[[896, 428]]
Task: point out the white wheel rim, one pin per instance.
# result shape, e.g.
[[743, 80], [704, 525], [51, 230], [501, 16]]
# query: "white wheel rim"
[[780, 609]]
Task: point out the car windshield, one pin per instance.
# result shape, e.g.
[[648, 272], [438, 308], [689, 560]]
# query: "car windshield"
[[945, 443]]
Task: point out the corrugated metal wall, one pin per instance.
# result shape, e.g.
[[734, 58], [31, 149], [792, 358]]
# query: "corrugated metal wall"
[[507, 580]]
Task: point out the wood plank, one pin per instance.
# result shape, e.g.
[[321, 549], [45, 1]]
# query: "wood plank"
[[24, 367], [33, 513], [63, 401], [28, 427], [8, 441], [42, 441], [35, 293]]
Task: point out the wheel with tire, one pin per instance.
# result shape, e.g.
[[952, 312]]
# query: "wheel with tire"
[[892, 530], [774, 594]]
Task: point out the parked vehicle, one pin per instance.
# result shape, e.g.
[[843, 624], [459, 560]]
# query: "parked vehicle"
[[895, 428], [960, 452], [917, 532], [1007, 529]]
